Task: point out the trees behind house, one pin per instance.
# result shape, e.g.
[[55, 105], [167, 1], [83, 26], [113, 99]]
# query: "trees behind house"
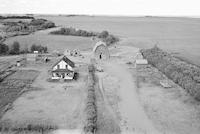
[[42, 23], [15, 48], [4, 49], [73, 32], [104, 35], [39, 48], [108, 38]]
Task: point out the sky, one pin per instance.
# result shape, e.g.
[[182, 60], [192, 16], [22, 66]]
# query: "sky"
[[103, 7]]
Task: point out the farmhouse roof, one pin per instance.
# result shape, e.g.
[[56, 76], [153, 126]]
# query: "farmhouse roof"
[[99, 44], [68, 61]]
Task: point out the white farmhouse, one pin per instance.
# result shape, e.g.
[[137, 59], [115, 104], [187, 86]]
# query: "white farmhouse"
[[63, 69]]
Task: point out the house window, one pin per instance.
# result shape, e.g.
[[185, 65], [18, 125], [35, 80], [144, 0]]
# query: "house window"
[[58, 66], [66, 66], [57, 74]]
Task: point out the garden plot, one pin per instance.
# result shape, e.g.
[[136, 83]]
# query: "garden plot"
[[26, 75], [12, 87]]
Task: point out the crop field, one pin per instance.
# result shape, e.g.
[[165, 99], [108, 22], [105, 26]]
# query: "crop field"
[[6, 61], [177, 35], [29, 75]]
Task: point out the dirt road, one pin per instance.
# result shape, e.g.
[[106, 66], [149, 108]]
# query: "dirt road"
[[133, 117]]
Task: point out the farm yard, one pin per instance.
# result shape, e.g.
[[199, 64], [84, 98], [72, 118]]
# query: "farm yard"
[[112, 96], [39, 104]]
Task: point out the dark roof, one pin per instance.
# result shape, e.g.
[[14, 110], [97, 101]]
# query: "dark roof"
[[62, 70], [68, 61]]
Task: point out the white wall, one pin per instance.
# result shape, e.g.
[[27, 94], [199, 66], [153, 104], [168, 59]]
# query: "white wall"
[[63, 66]]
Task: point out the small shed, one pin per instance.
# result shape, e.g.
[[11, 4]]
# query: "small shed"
[[100, 51], [18, 63], [35, 52], [139, 62]]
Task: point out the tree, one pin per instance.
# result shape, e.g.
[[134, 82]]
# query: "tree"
[[3, 48], [103, 34], [45, 49], [15, 48], [39, 48], [33, 48]]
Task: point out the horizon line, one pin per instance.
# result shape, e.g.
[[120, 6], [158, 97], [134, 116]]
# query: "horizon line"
[[103, 15]]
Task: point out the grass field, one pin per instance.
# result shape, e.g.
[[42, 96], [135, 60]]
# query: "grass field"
[[180, 35], [53, 42]]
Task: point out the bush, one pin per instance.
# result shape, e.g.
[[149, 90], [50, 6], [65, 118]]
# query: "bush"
[[182, 73], [103, 34], [15, 48], [37, 22], [39, 48], [48, 24], [3, 48]]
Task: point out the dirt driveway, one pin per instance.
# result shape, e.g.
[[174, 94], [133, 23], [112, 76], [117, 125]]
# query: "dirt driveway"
[[133, 117], [149, 108]]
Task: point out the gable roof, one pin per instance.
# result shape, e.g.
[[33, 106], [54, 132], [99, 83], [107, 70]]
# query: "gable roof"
[[68, 61]]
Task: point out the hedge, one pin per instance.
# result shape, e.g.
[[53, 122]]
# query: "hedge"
[[91, 110], [104, 35], [184, 74]]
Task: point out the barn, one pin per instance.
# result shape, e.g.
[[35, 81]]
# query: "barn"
[[100, 51], [63, 69]]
